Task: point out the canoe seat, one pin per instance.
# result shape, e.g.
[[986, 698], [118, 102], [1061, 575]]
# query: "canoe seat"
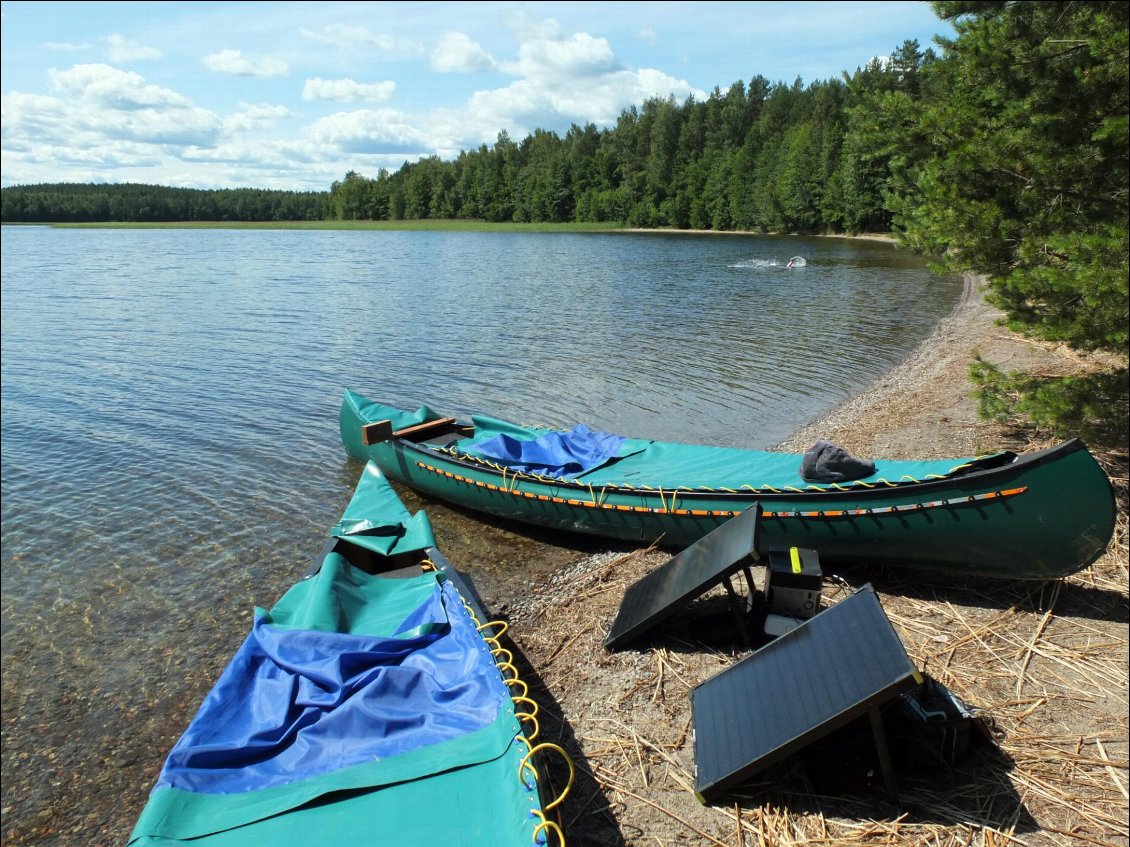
[[374, 433]]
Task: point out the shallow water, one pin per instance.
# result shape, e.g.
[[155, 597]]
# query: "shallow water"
[[169, 431]]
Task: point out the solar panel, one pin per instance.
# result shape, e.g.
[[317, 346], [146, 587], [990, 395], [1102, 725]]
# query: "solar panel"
[[706, 563], [839, 665]]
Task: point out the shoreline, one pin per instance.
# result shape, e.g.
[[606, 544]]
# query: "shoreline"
[[1022, 653], [888, 418]]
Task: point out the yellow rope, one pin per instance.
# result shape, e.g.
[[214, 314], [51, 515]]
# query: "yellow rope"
[[525, 763], [505, 626], [526, 716], [499, 650], [546, 826]]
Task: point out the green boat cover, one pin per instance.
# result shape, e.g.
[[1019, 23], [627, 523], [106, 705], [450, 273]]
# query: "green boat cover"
[[359, 709], [376, 519], [669, 465]]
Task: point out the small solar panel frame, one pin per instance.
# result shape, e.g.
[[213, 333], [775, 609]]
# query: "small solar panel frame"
[[708, 562], [842, 664]]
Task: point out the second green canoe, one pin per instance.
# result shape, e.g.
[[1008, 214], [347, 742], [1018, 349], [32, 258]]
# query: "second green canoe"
[[1037, 516]]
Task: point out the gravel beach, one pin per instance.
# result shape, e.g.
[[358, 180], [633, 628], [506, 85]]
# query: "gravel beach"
[[1046, 662]]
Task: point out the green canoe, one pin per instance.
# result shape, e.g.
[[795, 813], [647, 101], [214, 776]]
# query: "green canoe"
[[1037, 516], [373, 704]]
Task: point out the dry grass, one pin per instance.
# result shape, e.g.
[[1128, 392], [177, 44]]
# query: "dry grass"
[[1047, 663]]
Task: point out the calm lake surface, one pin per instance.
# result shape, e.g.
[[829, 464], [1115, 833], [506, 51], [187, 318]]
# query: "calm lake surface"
[[171, 455]]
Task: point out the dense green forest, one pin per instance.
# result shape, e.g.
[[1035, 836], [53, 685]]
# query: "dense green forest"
[[87, 203], [761, 156]]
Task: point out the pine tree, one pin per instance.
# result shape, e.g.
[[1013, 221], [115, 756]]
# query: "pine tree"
[[1018, 165]]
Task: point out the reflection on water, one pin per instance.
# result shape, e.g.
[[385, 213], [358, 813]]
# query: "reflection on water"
[[170, 448]]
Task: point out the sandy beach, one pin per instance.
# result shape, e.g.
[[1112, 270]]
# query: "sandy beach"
[[1046, 663]]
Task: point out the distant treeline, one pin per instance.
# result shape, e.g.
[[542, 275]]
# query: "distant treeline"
[[761, 157], [93, 203]]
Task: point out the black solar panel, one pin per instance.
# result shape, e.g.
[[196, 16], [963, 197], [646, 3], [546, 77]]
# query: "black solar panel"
[[837, 666], [705, 564]]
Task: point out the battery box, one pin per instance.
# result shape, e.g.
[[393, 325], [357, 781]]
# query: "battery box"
[[793, 582]]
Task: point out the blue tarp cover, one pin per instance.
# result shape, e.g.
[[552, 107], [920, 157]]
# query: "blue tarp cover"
[[551, 453], [295, 703]]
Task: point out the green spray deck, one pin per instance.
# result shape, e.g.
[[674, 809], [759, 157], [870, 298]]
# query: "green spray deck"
[[481, 784]]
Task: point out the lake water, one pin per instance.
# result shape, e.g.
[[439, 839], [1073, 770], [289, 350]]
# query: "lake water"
[[171, 455]]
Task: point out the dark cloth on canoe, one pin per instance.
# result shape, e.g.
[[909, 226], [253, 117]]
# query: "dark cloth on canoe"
[[828, 462]]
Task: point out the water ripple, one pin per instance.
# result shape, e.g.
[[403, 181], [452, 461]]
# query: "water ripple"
[[170, 396]]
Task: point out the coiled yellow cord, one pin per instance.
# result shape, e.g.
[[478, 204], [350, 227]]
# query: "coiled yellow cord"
[[525, 763], [545, 826], [505, 626], [500, 650], [497, 652]]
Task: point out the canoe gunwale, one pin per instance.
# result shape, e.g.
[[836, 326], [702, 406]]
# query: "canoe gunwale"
[[990, 476]]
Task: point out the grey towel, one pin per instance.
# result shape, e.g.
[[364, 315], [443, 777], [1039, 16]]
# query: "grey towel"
[[825, 462]]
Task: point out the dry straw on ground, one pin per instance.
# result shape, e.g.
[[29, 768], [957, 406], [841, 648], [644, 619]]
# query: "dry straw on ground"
[[1046, 662]]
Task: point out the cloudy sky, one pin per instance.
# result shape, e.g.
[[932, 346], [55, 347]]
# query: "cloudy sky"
[[293, 95]]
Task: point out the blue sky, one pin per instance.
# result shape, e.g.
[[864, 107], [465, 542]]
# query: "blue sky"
[[294, 95]]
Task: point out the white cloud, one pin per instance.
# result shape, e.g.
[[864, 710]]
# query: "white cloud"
[[235, 63], [256, 118], [113, 88], [66, 47], [353, 36], [649, 35], [555, 60], [347, 91], [123, 50], [98, 109], [373, 131], [577, 78], [455, 51], [527, 29], [558, 77]]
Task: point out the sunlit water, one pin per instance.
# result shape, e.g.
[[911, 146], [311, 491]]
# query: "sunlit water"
[[170, 446]]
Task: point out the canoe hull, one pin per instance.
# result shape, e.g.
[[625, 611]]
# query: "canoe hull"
[[375, 685], [1044, 515]]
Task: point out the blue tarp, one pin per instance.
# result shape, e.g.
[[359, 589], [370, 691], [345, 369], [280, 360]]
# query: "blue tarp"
[[295, 703], [551, 453]]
